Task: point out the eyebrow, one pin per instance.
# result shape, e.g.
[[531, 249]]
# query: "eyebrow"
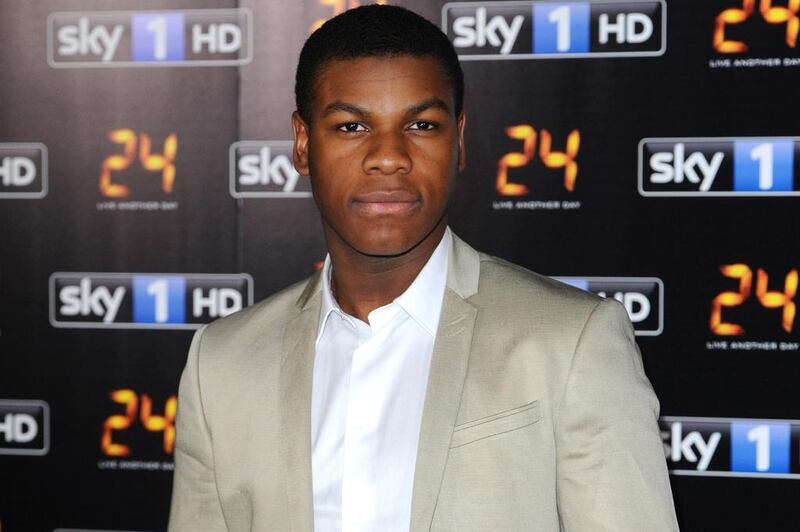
[[431, 103], [346, 107]]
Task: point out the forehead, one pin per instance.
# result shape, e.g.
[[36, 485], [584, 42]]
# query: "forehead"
[[395, 79]]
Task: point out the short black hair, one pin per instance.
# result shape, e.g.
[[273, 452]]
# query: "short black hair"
[[374, 31]]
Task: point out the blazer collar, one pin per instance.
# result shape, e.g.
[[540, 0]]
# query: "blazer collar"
[[442, 399], [296, 376], [464, 268]]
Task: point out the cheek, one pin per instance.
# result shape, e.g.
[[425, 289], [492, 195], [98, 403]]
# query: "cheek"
[[330, 185], [439, 172], [332, 158], [440, 154], [327, 195]]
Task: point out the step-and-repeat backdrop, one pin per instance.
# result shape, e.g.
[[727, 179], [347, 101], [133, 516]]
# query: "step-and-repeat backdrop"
[[642, 150]]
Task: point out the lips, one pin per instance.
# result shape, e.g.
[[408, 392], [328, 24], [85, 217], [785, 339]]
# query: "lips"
[[386, 202]]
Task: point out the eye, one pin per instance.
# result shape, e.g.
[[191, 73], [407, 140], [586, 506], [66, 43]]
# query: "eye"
[[352, 127], [422, 125]]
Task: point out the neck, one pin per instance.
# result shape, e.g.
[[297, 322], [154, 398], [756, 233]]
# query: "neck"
[[361, 283]]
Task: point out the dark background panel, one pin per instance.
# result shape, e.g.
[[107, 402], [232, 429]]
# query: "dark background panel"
[[690, 91]]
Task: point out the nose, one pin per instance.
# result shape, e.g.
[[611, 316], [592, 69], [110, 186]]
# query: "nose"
[[387, 154]]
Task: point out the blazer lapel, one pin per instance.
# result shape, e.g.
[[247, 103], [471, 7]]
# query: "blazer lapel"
[[297, 370], [445, 382], [442, 400]]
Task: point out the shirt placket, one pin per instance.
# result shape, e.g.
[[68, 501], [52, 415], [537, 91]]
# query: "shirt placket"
[[356, 492], [359, 506]]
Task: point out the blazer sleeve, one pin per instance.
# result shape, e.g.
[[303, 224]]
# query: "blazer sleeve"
[[611, 470], [195, 502]]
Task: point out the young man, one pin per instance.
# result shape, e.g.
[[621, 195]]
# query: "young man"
[[414, 383]]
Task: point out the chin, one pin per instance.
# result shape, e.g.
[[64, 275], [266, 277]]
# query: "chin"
[[383, 248], [385, 241]]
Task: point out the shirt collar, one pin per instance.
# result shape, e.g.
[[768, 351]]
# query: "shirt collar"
[[422, 300], [329, 303]]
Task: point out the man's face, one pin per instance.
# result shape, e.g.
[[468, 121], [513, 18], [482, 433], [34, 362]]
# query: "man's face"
[[382, 151]]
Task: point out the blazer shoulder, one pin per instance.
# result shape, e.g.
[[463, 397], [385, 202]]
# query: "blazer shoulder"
[[528, 301], [267, 317], [514, 283]]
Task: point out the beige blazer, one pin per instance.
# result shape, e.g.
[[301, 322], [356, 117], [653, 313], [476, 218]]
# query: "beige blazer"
[[538, 415]]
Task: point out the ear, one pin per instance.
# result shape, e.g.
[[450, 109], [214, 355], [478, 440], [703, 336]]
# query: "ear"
[[300, 150], [462, 155]]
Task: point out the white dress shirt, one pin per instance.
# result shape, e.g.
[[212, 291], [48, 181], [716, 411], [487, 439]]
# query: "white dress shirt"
[[366, 403]]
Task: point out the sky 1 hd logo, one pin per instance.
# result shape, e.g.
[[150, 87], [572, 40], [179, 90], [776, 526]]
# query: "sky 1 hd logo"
[[264, 169], [23, 170], [192, 37], [642, 297], [145, 300], [551, 29], [722, 166], [24, 427], [728, 447], [755, 34]]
